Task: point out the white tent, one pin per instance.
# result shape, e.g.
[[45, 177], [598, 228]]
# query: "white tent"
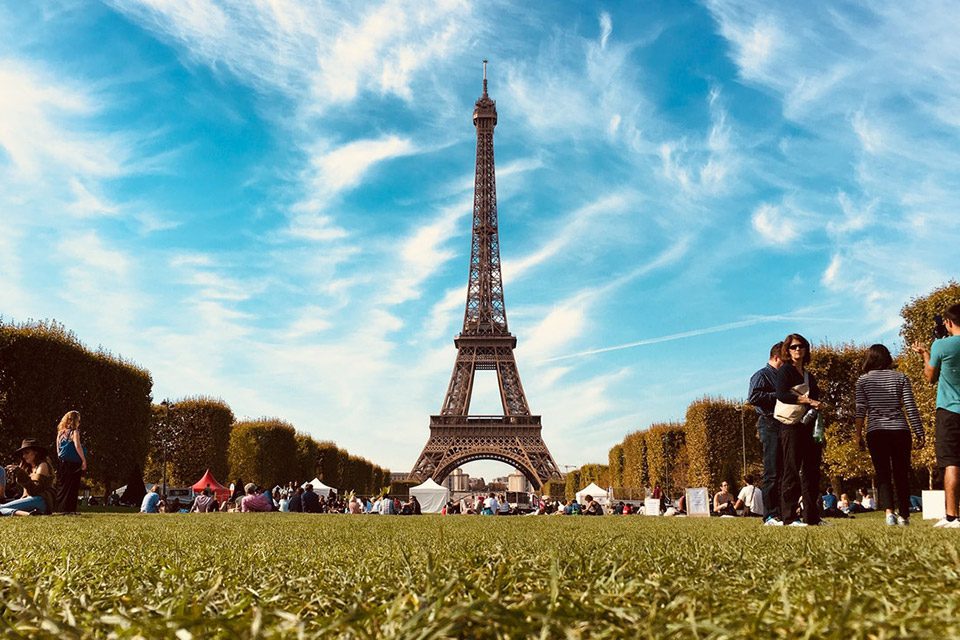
[[597, 493], [319, 488], [431, 496]]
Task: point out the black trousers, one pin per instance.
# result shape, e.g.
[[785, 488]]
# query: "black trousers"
[[68, 478], [800, 474], [769, 431], [890, 452]]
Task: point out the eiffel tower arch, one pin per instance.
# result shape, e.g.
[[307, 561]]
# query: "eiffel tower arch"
[[485, 343]]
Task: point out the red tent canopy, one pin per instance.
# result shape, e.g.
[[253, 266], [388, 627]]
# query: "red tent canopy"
[[222, 492]]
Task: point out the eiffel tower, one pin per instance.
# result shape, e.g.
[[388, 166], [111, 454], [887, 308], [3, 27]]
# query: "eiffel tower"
[[485, 344]]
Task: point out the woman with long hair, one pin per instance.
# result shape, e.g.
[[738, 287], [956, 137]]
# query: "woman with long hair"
[[885, 401], [73, 461], [798, 390], [35, 474]]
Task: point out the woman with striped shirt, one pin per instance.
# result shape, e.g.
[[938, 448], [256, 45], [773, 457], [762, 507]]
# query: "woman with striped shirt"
[[885, 400]]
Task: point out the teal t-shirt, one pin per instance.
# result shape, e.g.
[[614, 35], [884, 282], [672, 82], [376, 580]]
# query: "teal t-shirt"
[[945, 356]]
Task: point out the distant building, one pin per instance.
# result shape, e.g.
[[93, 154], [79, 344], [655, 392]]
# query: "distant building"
[[518, 482], [477, 484], [458, 481], [399, 476]]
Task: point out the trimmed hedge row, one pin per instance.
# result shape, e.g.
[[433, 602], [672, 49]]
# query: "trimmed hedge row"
[[45, 371], [269, 451]]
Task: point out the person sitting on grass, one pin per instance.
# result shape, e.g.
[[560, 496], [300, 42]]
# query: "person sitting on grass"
[[843, 504], [295, 505], [204, 502], [491, 505], [829, 499], [862, 503], [592, 507], [35, 475], [151, 501], [504, 509], [309, 500], [254, 501], [750, 499], [723, 501]]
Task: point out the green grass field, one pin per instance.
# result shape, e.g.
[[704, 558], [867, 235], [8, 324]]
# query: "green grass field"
[[247, 575]]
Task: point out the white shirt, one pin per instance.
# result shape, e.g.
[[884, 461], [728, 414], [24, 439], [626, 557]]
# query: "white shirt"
[[752, 498], [868, 503], [491, 503]]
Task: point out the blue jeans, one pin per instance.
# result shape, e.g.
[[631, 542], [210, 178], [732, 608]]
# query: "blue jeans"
[[769, 430], [23, 504]]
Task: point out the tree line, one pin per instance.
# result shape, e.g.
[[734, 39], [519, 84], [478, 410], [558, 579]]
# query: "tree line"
[[46, 371], [717, 441]]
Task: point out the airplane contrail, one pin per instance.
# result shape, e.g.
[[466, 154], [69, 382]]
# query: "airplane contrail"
[[678, 336]]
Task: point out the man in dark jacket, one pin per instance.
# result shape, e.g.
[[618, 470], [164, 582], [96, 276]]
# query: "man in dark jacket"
[[763, 397], [296, 503], [310, 500]]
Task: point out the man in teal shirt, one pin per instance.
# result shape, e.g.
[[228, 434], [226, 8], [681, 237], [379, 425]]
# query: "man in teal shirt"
[[942, 366]]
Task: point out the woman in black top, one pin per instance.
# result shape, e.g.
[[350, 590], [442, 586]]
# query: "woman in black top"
[[801, 454]]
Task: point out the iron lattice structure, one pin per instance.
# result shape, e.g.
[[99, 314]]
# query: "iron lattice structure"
[[485, 343]]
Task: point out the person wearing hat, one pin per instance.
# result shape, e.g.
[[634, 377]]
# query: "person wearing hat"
[[35, 475]]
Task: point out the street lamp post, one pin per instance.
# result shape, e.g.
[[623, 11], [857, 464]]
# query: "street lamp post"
[[166, 404], [743, 439]]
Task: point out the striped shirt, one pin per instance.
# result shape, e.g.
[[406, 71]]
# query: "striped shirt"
[[883, 396]]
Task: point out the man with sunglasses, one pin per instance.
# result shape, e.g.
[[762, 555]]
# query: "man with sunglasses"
[[941, 365], [763, 397]]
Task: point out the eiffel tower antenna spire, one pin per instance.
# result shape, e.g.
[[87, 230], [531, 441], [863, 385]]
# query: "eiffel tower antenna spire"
[[485, 343]]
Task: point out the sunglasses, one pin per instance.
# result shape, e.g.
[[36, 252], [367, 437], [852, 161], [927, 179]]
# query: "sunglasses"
[[797, 347]]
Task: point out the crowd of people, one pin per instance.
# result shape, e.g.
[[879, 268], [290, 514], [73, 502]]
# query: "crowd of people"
[[784, 393], [250, 498]]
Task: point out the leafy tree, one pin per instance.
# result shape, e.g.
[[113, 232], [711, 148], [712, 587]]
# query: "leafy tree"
[[636, 473], [263, 451], [667, 456], [616, 465], [572, 480], [193, 435], [918, 326], [596, 473], [837, 368], [717, 442]]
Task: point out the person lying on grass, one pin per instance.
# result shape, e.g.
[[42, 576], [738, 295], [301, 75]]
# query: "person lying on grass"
[[35, 475]]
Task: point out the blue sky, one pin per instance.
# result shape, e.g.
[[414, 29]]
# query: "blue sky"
[[268, 201]]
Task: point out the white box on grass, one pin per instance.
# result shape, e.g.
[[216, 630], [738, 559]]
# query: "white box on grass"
[[698, 502], [651, 507], [934, 504]]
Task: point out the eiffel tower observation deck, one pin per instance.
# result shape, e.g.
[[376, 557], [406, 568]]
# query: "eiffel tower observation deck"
[[485, 343]]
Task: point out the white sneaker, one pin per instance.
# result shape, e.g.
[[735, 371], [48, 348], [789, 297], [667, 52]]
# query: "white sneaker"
[[954, 524], [773, 522], [942, 522], [902, 522], [797, 523]]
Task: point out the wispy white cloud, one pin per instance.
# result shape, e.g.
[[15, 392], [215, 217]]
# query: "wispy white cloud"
[[772, 225], [578, 225]]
